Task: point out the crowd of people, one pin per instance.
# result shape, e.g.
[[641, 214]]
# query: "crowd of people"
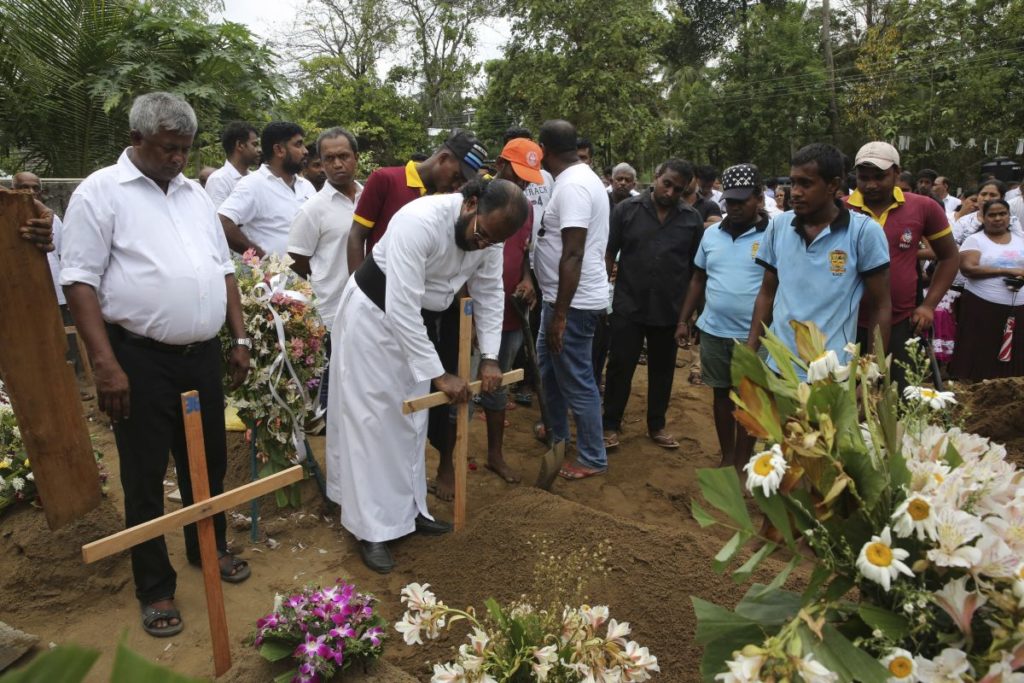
[[617, 273]]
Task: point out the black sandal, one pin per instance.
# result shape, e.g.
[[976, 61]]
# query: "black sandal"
[[151, 615], [239, 571]]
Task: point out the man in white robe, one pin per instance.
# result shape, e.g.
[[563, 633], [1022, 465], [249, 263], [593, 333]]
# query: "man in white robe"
[[375, 454]]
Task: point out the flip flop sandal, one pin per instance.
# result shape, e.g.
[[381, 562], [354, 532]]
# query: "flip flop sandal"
[[696, 378], [611, 440], [574, 472], [665, 441], [151, 615], [239, 571]]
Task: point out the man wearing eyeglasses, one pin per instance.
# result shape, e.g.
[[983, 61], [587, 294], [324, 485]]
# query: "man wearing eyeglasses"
[[433, 246]]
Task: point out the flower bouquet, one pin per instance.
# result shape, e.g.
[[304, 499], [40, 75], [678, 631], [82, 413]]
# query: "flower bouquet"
[[325, 630], [914, 530], [17, 481], [280, 396], [521, 643]]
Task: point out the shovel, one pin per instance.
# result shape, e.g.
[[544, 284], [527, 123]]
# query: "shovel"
[[551, 461]]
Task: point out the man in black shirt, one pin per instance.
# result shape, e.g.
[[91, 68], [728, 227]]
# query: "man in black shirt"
[[656, 235], [710, 212]]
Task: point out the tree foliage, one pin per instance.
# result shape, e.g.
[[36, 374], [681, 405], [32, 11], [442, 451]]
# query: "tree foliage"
[[69, 70]]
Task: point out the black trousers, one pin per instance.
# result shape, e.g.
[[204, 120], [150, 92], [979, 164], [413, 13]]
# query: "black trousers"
[[626, 343], [898, 336], [602, 340], [157, 379], [443, 331]]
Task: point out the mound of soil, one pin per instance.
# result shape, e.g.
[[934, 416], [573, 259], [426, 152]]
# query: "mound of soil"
[[652, 573], [995, 409]]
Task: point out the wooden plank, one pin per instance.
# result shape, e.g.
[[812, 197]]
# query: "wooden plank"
[[122, 540], [42, 387], [439, 398], [190, 408], [461, 452]]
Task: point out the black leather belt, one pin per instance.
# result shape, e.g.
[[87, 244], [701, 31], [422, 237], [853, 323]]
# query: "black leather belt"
[[118, 333]]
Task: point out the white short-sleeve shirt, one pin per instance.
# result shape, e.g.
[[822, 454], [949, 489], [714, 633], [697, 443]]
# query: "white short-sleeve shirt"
[[578, 200], [263, 206], [994, 255], [221, 182], [157, 261], [320, 231]]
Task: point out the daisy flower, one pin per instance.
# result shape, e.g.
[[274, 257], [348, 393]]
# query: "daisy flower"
[[914, 515], [936, 400], [901, 665], [765, 470], [878, 561]]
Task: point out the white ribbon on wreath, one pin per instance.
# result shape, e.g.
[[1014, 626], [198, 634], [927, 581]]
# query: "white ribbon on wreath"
[[264, 294]]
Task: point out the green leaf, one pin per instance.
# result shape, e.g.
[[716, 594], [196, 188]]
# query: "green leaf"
[[131, 666], [63, 664], [779, 579], [774, 508], [782, 356], [953, 458], [700, 514], [274, 650], [496, 612], [287, 676], [713, 621], [721, 488], [836, 652], [281, 496], [720, 650], [742, 574], [769, 607], [819, 576], [891, 624], [729, 550]]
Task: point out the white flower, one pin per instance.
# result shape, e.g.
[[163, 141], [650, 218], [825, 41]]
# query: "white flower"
[[822, 367], [815, 672], [851, 348], [596, 615], [949, 667], [642, 662], [18, 483], [448, 673], [953, 530], [997, 560], [1002, 671], [31, 476], [469, 661], [959, 603], [912, 342], [546, 657], [742, 669], [926, 475], [914, 515], [878, 561], [409, 626], [617, 632], [901, 665], [479, 639], [766, 469], [1018, 592], [936, 400], [417, 597]]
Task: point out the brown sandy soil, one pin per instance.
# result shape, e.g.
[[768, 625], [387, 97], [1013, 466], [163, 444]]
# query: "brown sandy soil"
[[659, 557], [995, 408]]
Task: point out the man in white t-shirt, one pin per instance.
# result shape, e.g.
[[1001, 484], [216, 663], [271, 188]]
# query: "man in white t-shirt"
[[259, 212], [319, 232], [241, 145], [569, 262]]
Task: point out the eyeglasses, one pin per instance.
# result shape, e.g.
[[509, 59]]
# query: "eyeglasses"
[[482, 240]]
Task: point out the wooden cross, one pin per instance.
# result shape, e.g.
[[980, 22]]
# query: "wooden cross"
[[439, 398], [200, 513]]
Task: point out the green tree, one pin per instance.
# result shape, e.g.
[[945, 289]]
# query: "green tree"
[[591, 62], [70, 69]]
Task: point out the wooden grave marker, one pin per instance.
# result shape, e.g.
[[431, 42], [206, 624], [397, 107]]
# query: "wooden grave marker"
[[41, 385], [200, 513]]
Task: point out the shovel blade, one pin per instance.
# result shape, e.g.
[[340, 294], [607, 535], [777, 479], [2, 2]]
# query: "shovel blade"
[[550, 463]]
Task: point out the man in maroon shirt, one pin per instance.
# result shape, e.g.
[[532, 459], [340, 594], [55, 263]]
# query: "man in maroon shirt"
[[389, 189], [519, 162], [906, 218]]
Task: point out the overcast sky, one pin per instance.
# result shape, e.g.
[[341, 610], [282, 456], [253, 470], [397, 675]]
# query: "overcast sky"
[[269, 18]]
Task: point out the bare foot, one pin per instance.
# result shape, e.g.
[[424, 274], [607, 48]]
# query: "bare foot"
[[444, 485], [500, 467]]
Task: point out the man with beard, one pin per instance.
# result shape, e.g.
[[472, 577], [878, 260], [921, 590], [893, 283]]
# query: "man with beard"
[[727, 278], [433, 246], [821, 263], [655, 235], [260, 210]]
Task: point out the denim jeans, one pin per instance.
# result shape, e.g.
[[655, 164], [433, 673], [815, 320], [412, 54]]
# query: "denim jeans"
[[570, 384]]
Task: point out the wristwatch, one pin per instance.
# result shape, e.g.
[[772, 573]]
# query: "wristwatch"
[[244, 341], [489, 356]]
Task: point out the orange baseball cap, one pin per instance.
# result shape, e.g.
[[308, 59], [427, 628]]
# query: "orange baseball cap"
[[525, 156]]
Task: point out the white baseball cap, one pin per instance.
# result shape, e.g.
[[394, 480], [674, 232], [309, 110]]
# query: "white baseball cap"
[[881, 155]]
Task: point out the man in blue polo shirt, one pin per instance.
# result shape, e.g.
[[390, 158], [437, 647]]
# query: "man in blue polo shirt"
[[727, 277], [820, 260]]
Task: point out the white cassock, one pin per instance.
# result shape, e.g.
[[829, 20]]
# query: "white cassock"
[[375, 454]]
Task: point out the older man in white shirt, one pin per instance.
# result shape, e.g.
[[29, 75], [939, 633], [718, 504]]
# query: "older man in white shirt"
[[147, 275], [434, 245], [241, 145], [260, 210]]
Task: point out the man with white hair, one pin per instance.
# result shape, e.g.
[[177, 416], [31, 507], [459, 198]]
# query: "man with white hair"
[[623, 183], [146, 272]]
